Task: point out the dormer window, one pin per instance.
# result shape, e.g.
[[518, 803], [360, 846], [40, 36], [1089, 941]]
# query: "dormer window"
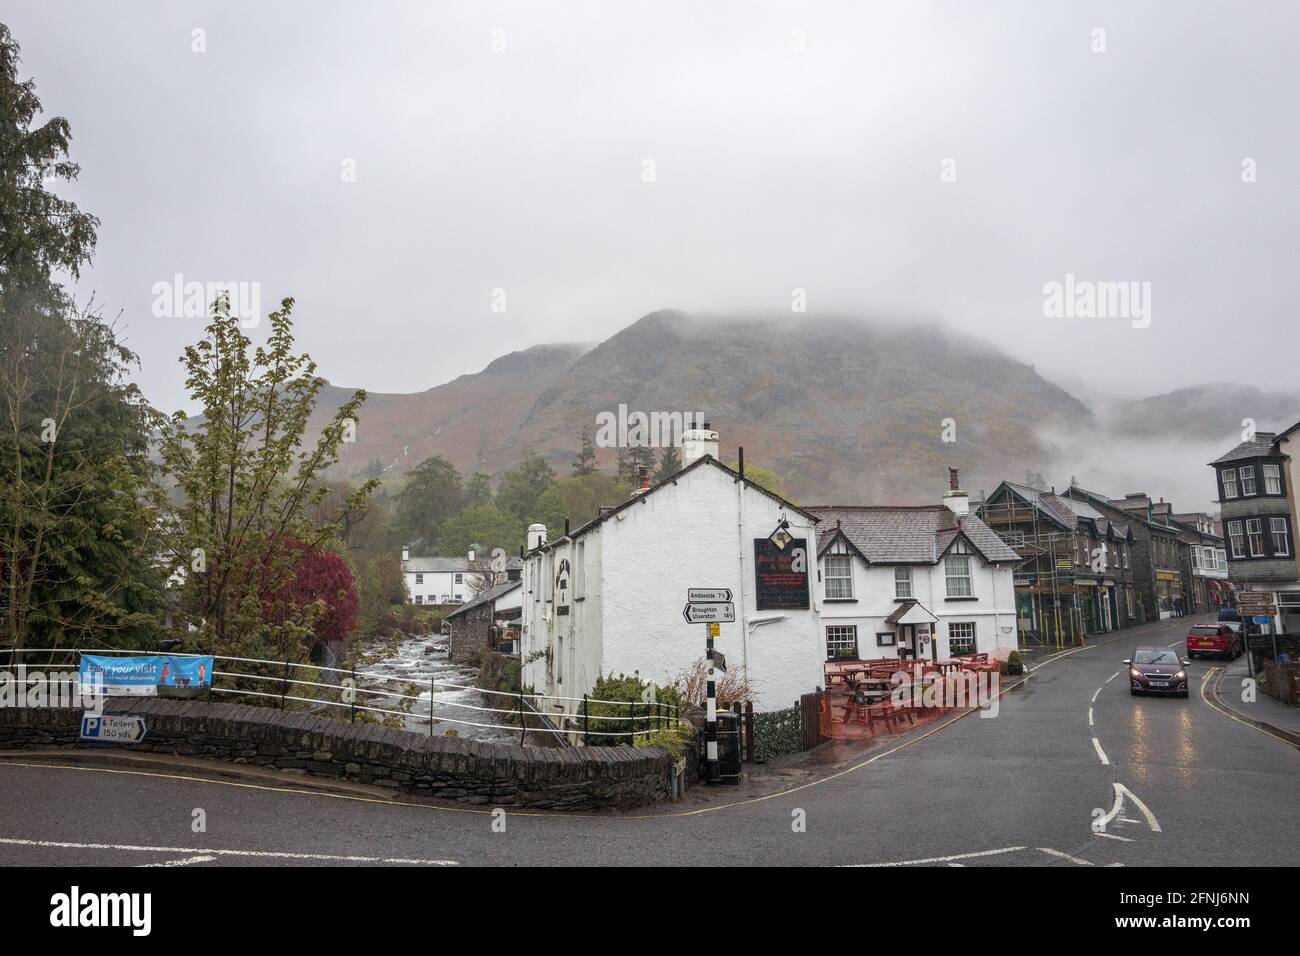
[[839, 577], [1247, 480], [1272, 479], [1230, 482]]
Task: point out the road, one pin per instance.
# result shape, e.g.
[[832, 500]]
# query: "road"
[[1172, 782]]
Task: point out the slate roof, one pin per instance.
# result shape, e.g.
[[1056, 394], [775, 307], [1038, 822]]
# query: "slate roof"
[[491, 594], [918, 534], [1260, 447], [444, 565], [705, 460]]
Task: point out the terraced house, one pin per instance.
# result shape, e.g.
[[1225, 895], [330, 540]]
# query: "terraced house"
[[1256, 485], [1159, 553], [1076, 576]]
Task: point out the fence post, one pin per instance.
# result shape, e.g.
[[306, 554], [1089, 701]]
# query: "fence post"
[[352, 714], [430, 706], [523, 723], [749, 731], [586, 729], [631, 740], [284, 684]]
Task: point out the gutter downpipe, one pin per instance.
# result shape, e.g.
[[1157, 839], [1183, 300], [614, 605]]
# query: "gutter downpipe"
[[740, 543]]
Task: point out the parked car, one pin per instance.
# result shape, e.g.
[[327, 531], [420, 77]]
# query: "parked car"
[[1222, 639], [1156, 670]]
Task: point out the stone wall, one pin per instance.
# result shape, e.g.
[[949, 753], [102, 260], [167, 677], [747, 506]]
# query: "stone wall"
[[471, 633], [466, 771]]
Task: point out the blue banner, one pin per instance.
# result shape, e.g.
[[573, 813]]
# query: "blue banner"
[[142, 676]]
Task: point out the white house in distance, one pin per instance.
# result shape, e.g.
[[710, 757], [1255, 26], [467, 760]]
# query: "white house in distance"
[[929, 581], [446, 580], [608, 597]]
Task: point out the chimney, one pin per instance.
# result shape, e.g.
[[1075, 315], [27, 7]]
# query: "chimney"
[[956, 500], [536, 536], [643, 481], [698, 442], [406, 552]]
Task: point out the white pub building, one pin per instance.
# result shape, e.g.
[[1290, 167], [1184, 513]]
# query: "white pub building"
[[608, 597]]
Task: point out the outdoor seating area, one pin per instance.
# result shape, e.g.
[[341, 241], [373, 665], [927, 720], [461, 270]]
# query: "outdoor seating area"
[[859, 698]]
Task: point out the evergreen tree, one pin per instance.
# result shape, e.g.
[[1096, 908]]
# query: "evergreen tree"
[[670, 462], [585, 462], [78, 528]]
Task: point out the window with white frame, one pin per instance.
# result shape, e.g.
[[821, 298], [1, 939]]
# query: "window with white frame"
[[1222, 555], [1272, 479], [1255, 536], [903, 582], [1236, 541], [961, 637], [1281, 539], [1230, 482], [1247, 473], [957, 571], [842, 642], [419, 579], [419, 599], [839, 577]]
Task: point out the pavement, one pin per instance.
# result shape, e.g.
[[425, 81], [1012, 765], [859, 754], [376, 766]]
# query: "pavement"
[[1235, 689], [1072, 771]]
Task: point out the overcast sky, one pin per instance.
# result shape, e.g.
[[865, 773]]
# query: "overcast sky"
[[793, 146]]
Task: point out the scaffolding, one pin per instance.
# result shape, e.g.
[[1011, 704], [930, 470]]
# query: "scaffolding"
[[1049, 611]]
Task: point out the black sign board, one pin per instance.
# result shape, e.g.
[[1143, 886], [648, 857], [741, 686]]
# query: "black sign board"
[[781, 574]]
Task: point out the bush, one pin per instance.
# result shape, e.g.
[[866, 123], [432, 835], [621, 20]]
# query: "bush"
[[631, 691]]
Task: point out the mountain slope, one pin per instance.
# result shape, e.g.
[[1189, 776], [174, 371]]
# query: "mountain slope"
[[846, 410]]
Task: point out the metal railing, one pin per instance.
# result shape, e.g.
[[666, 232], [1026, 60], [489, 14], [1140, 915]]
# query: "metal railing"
[[589, 723]]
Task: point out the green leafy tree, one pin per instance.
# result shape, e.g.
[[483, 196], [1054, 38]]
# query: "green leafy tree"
[[632, 459], [521, 488], [77, 525], [585, 462], [432, 494], [765, 478], [478, 490], [248, 482], [579, 499], [484, 525]]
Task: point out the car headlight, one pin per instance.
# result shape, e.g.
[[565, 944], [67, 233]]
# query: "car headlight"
[[1181, 675], [1134, 672]]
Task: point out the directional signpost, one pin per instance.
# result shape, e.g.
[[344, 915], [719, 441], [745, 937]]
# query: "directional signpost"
[[710, 607], [113, 729], [715, 612]]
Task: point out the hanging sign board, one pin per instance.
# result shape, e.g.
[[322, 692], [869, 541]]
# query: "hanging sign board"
[[781, 575]]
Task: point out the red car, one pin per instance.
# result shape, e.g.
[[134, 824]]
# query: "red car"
[[1218, 639]]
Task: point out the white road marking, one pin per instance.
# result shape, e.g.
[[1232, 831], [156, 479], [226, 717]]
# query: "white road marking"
[[1090, 717], [185, 862], [1095, 696], [1121, 792], [1101, 754], [1114, 836], [1113, 676], [1152, 822], [268, 854], [941, 859], [1064, 856]]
